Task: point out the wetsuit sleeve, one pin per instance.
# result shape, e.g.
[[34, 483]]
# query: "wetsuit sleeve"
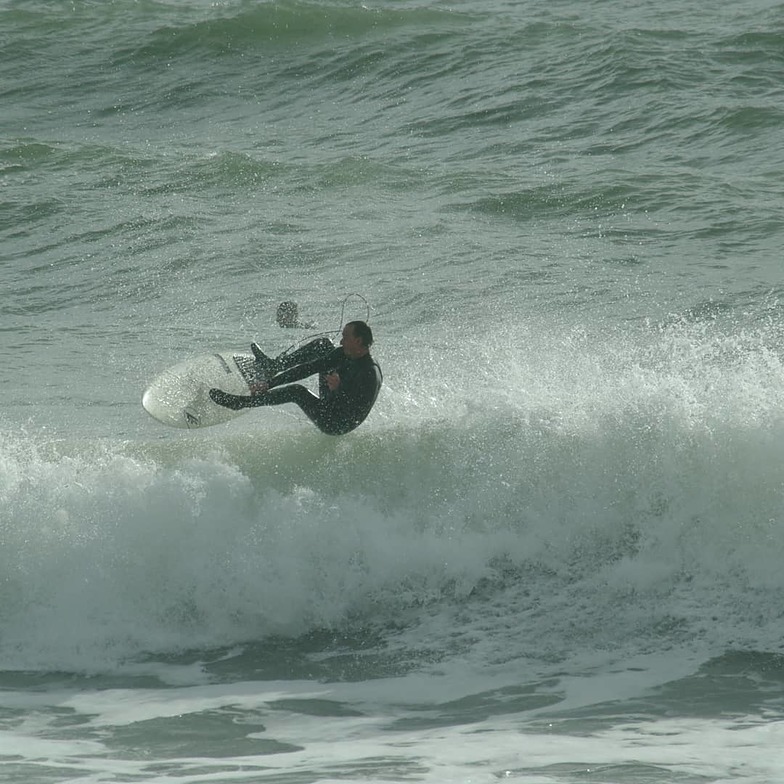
[[363, 388], [298, 372]]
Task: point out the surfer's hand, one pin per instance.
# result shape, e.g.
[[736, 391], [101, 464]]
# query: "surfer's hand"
[[259, 388], [333, 381]]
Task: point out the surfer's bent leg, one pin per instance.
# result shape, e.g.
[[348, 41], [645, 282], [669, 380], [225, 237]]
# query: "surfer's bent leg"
[[313, 407], [307, 353], [292, 393]]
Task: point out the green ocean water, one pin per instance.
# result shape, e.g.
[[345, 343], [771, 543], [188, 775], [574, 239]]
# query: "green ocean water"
[[552, 553]]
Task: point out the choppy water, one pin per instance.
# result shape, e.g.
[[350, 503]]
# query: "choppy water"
[[553, 552]]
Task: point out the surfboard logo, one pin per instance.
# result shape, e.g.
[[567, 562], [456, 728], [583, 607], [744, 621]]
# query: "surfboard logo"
[[191, 419]]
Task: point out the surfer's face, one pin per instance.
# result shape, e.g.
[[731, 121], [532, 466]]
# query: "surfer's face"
[[352, 345]]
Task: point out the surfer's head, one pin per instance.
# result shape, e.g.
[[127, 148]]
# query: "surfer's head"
[[287, 314], [363, 332], [357, 339]]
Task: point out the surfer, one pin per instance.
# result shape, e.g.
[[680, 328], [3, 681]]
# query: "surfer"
[[349, 381], [287, 316]]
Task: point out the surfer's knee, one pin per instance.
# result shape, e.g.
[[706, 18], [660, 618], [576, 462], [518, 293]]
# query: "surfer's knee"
[[323, 344]]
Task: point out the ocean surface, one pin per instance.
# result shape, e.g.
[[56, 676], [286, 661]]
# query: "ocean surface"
[[553, 554]]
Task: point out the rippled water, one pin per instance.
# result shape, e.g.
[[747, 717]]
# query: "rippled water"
[[552, 553]]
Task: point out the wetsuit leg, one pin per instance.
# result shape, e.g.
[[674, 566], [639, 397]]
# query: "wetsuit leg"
[[314, 407], [310, 351]]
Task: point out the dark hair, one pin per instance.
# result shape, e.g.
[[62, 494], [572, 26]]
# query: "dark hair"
[[287, 314], [363, 332]]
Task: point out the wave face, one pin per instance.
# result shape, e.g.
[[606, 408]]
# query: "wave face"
[[587, 483]]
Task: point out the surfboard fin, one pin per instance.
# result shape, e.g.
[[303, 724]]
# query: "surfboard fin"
[[261, 357]]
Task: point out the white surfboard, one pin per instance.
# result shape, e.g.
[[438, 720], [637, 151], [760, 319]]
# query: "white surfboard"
[[180, 396]]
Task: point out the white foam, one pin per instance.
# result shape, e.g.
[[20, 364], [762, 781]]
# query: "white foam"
[[630, 483]]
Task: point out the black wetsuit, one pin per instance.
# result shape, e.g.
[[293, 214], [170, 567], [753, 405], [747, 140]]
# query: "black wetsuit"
[[334, 412]]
